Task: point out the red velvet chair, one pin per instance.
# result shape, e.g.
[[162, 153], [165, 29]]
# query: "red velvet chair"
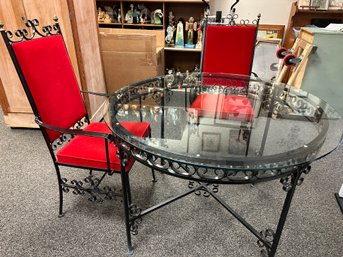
[[44, 68], [227, 49]]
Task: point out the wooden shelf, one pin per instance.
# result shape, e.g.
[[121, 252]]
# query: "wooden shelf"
[[181, 9], [143, 25], [156, 1], [182, 49], [110, 23]]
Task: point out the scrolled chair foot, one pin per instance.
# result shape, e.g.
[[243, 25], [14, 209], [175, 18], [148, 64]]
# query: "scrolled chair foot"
[[61, 215], [130, 252]]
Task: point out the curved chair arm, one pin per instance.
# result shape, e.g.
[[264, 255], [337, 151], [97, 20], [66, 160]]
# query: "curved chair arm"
[[74, 131], [95, 93]]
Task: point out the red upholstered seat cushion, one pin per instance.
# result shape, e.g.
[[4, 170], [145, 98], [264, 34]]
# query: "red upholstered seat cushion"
[[223, 107], [90, 152], [229, 49], [50, 77]]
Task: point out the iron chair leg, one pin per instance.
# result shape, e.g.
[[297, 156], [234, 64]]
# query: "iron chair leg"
[[153, 175], [124, 180], [152, 170], [60, 190], [126, 199]]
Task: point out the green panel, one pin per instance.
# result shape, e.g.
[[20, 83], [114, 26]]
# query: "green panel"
[[324, 72]]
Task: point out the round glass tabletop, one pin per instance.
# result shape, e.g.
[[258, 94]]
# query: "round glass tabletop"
[[224, 122]]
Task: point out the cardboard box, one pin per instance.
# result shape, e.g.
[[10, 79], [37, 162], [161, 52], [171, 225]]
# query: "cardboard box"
[[129, 57]]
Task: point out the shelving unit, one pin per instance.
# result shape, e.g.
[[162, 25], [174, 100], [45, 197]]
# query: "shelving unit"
[[178, 58], [300, 17]]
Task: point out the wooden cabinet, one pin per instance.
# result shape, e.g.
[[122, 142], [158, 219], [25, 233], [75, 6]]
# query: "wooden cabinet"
[[323, 75], [79, 27], [301, 17], [179, 58]]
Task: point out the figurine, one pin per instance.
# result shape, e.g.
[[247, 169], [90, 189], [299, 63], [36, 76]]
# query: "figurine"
[[101, 15], [170, 30], [179, 41], [107, 18], [129, 15], [116, 14], [199, 40], [191, 26], [144, 13], [156, 17], [169, 78], [119, 15], [135, 16]]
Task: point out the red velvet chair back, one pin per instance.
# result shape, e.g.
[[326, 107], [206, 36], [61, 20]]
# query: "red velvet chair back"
[[229, 49], [51, 81]]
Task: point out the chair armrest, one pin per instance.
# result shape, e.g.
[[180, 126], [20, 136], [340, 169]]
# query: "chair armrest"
[[74, 131], [95, 93]]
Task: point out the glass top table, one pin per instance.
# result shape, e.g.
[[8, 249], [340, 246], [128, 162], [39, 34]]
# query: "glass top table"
[[211, 126], [216, 129]]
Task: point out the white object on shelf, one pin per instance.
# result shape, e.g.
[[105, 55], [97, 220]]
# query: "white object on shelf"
[[334, 27]]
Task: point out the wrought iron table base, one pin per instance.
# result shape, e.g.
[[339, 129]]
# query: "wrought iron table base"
[[268, 240]]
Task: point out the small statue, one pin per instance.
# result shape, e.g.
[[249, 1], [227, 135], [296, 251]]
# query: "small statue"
[[135, 16], [169, 78], [116, 14], [179, 41], [107, 18], [199, 40], [119, 15], [170, 30], [129, 15], [191, 26], [156, 17], [101, 15], [144, 13]]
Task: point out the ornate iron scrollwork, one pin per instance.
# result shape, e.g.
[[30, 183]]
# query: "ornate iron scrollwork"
[[288, 182], [268, 237], [214, 188], [134, 211], [60, 141], [30, 33], [90, 186], [63, 138]]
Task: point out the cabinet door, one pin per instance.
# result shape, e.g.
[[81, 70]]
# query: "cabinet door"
[[44, 11], [12, 92], [86, 39], [18, 112]]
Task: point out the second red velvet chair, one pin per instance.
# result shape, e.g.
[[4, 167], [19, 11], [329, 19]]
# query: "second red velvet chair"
[[228, 49]]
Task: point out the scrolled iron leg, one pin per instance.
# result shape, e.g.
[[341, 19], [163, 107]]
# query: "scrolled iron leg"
[[60, 190], [124, 179], [126, 194], [153, 175], [289, 187]]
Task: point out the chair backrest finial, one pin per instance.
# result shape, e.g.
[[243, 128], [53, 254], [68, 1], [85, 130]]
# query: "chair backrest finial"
[[55, 18]]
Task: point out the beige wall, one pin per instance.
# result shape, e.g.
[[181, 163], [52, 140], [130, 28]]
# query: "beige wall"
[[272, 12]]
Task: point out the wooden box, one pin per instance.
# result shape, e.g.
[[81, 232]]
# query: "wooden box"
[[129, 57]]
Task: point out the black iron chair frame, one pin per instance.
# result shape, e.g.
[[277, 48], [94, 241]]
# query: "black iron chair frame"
[[78, 187]]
